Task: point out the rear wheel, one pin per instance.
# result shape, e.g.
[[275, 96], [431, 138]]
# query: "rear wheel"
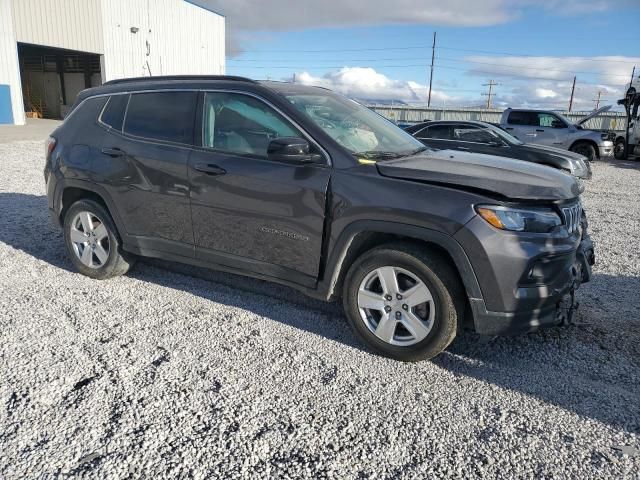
[[586, 149], [402, 302], [620, 149], [92, 241]]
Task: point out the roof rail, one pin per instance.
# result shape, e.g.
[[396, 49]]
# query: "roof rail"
[[178, 77]]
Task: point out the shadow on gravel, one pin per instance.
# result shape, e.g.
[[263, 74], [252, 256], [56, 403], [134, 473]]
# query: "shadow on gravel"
[[591, 369], [630, 163]]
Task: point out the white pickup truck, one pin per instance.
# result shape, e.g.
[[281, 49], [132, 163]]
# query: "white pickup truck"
[[550, 128]]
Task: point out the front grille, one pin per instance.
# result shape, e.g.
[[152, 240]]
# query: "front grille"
[[572, 216]]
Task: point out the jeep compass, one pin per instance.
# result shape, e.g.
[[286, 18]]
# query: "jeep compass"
[[301, 186]]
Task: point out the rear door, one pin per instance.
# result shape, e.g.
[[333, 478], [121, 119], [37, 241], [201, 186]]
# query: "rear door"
[[144, 167], [521, 124], [248, 212]]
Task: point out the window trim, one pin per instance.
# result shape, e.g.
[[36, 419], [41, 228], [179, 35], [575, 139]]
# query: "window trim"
[[193, 145], [104, 107], [298, 127]]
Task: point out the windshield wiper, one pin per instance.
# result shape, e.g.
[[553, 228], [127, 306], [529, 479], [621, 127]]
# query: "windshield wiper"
[[378, 154], [421, 149]]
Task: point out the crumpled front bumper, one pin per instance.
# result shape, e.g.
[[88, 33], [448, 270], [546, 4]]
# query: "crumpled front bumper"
[[548, 304]]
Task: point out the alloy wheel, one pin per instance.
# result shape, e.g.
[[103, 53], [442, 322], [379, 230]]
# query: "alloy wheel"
[[396, 306], [90, 239]]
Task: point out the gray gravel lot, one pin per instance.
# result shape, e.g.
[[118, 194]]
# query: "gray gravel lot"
[[166, 374]]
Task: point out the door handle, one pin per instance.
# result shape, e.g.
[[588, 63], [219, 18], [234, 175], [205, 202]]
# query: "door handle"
[[113, 152], [539, 130], [209, 169], [508, 128]]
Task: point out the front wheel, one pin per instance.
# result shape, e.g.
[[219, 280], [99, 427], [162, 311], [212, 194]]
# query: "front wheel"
[[403, 302], [585, 149], [620, 149]]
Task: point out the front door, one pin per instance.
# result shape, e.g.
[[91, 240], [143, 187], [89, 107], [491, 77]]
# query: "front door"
[[248, 212], [550, 130]]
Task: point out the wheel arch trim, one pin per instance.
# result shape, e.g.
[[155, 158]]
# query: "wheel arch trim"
[[336, 267]]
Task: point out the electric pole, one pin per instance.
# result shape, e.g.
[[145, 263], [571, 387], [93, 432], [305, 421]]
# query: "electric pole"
[[633, 72], [433, 55], [491, 84], [597, 100], [573, 89]]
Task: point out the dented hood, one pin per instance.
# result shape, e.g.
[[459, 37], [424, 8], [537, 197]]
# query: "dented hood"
[[514, 179]]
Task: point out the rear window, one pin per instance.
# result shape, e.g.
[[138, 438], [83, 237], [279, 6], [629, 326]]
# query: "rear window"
[[167, 116], [436, 132], [522, 118], [113, 113]]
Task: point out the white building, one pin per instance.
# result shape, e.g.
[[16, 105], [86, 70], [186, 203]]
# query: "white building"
[[52, 49]]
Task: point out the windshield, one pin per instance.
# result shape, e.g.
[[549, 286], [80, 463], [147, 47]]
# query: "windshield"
[[358, 129]]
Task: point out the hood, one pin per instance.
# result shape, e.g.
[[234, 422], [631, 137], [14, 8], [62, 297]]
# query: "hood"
[[593, 114], [514, 179]]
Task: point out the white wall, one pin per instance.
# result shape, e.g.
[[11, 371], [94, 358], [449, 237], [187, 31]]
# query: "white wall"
[[9, 67], [70, 24], [173, 37]]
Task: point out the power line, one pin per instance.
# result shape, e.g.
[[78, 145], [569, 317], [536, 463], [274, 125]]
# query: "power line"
[[415, 47], [373, 60]]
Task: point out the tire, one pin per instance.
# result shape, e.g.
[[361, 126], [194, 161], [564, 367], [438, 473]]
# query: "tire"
[[586, 149], [620, 150], [439, 317], [87, 224]]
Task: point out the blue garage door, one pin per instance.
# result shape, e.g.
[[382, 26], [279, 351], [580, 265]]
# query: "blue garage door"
[[6, 113]]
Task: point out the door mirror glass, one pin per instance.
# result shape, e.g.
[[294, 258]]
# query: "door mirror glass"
[[291, 150], [557, 124]]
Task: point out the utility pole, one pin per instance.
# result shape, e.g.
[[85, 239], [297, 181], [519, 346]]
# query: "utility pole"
[[573, 89], [633, 72], [597, 100], [433, 56], [491, 84]]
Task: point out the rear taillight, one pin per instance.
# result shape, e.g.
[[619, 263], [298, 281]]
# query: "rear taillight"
[[50, 144]]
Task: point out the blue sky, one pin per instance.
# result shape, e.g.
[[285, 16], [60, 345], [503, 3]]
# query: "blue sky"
[[386, 54]]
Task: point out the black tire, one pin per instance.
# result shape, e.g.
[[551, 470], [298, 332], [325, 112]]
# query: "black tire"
[[439, 277], [620, 149], [586, 149], [118, 262]]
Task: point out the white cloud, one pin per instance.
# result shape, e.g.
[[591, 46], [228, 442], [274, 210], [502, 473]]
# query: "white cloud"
[[545, 93], [368, 84], [244, 16]]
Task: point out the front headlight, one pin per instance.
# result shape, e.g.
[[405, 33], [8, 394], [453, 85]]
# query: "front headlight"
[[537, 220]]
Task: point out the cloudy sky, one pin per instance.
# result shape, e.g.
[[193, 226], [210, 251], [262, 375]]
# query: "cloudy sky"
[[381, 49]]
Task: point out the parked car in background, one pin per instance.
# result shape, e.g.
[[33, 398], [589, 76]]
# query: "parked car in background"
[[481, 137], [551, 128], [301, 186]]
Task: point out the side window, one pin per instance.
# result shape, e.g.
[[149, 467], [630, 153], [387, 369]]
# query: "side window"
[[241, 124], [167, 116], [113, 113], [548, 120], [436, 132], [468, 133], [521, 118]]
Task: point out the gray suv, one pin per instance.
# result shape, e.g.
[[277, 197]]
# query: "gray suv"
[[303, 187]]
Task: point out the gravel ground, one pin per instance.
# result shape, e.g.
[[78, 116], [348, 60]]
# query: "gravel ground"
[[165, 374]]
